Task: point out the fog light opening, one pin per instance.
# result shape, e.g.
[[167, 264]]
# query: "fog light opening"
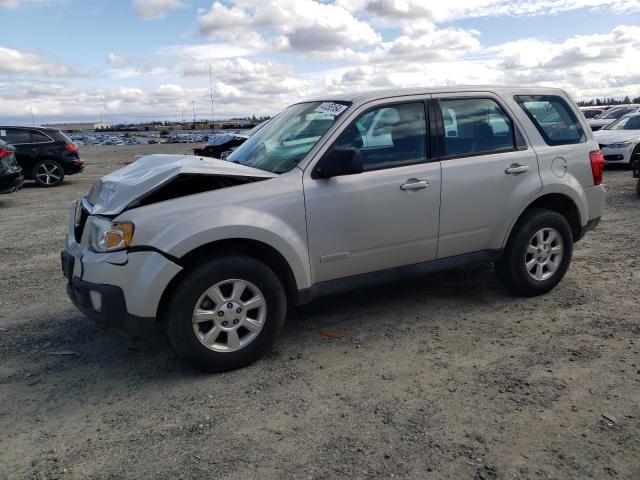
[[96, 300]]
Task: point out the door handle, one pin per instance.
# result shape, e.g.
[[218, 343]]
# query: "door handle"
[[413, 184], [516, 168]]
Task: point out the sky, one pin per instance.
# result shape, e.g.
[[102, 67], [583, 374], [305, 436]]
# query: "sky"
[[137, 60]]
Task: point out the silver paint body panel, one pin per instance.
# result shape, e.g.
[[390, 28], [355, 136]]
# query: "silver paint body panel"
[[349, 225]]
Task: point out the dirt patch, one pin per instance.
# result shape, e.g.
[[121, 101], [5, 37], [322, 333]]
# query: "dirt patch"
[[448, 376]]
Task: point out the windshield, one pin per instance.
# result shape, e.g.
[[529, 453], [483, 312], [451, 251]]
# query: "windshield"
[[616, 112], [632, 122], [591, 113], [283, 142]]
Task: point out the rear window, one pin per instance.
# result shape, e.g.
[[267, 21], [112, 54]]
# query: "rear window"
[[63, 136], [554, 119], [39, 137]]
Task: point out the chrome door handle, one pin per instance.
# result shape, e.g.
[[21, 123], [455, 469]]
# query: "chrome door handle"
[[413, 184], [516, 168]]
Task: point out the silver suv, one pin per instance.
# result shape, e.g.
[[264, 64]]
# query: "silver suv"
[[332, 194]]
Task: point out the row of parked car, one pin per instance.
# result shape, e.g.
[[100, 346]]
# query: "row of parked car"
[[617, 130], [44, 155]]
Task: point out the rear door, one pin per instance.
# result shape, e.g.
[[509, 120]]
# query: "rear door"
[[489, 173], [387, 216]]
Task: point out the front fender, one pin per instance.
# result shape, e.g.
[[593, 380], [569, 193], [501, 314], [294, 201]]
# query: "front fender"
[[206, 226]]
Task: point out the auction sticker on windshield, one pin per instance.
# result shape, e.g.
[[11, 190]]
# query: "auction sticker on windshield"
[[331, 108]]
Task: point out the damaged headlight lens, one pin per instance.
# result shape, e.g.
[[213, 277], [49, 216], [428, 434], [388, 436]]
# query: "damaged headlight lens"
[[108, 236]]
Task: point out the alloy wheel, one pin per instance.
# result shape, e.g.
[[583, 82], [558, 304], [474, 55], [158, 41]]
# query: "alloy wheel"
[[544, 254], [229, 315], [49, 173]]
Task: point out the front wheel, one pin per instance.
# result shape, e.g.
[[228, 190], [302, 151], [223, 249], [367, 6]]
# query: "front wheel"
[[538, 253], [225, 313]]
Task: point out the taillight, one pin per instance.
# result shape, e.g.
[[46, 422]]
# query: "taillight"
[[597, 166], [5, 153], [71, 148]]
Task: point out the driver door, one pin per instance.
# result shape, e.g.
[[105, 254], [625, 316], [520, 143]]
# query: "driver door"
[[385, 217]]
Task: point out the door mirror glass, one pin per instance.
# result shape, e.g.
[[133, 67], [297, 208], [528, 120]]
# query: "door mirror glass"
[[338, 162]]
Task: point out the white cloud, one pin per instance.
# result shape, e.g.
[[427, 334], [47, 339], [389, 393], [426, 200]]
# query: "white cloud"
[[19, 3], [458, 9], [263, 54], [157, 9], [206, 52], [115, 59], [413, 11], [16, 62], [293, 25]]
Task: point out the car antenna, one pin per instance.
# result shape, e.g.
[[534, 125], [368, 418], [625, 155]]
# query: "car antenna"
[[213, 122]]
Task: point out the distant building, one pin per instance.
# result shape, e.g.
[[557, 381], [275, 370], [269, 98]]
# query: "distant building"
[[72, 127]]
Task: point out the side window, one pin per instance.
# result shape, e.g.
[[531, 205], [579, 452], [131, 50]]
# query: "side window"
[[388, 136], [16, 135], [475, 125], [554, 119], [38, 137]]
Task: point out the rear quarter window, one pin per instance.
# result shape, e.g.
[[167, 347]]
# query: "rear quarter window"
[[39, 137], [553, 118]]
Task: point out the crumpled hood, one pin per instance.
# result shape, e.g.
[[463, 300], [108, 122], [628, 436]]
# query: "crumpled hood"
[[616, 136], [117, 190]]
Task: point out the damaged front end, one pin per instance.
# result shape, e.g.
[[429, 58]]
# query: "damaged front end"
[[157, 178]]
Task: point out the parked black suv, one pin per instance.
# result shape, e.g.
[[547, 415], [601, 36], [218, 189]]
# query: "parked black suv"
[[46, 155], [11, 178]]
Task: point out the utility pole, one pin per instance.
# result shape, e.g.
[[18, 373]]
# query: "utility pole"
[[33, 122], [193, 104], [213, 121]]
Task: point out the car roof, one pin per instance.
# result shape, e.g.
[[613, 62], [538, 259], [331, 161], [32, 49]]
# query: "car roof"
[[366, 96], [25, 127]]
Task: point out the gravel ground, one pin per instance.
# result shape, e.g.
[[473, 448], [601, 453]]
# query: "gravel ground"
[[446, 377]]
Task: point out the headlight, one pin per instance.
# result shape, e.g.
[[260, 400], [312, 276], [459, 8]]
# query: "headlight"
[[108, 236], [619, 145]]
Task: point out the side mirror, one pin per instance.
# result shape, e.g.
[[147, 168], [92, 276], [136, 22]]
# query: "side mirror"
[[338, 162]]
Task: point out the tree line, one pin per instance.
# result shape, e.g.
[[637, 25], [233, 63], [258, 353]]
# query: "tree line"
[[596, 102]]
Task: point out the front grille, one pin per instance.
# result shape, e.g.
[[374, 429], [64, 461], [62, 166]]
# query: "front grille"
[[610, 158], [80, 223]]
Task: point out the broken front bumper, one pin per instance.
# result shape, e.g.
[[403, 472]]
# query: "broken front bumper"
[[122, 289], [104, 303]]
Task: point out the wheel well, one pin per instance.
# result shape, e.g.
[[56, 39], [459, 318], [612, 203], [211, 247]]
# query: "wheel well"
[[564, 206], [242, 246]]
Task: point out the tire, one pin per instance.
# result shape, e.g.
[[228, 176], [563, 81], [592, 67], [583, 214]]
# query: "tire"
[[638, 188], [635, 156], [48, 173], [226, 351], [512, 268]]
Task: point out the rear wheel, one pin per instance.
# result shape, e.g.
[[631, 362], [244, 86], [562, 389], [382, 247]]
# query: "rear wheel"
[[538, 253], [48, 173], [226, 313]]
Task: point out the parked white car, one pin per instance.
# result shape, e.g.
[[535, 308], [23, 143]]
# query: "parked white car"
[[611, 115], [319, 201], [620, 141]]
